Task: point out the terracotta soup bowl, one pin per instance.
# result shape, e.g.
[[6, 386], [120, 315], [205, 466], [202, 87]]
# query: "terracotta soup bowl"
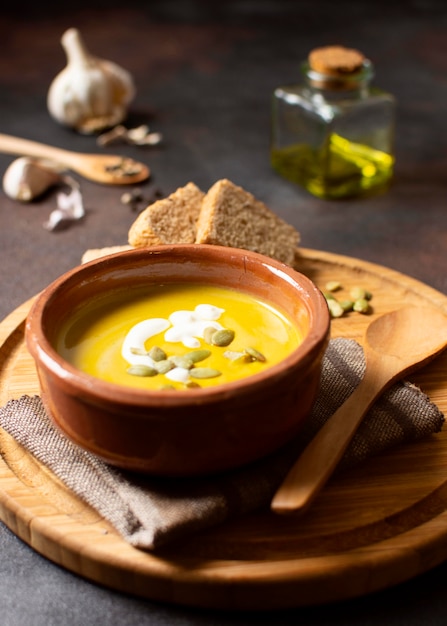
[[195, 419]]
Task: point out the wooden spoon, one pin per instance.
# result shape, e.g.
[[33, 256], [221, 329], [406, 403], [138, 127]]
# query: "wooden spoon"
[[395, 344], [102, 168]]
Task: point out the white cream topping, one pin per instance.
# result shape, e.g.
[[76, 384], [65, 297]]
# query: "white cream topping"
[[188, 326], [185, 327], [178, 375], [136, 338]]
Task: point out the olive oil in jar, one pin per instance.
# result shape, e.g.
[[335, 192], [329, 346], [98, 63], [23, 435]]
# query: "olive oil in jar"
[[334, 135]]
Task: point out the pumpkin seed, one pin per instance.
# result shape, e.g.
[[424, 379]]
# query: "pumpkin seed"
[[255, 354], [361, 306], [167, 387], [204, 372], [328, 295], [222, 337], [142, 370], [198, 355], [157, 354], [139, 351], [234, 356], [182, 361], [333, 285], [358, 293], [164, 366], [346, 305], [335, 308], [208, 333], [191, 384]]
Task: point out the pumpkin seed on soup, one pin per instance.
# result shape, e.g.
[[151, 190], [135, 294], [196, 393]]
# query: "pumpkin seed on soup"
[[208, 334], [204, 372], [255, 354], [222, 337], [142, 370], [138, 351], [234, 356], [182, 361], [164, 366], [198, 355], [157, 354]]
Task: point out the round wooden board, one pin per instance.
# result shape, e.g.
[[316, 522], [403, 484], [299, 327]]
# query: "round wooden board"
[[371, 528]]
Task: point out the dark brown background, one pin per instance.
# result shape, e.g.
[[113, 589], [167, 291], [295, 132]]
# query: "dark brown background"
[[205, 72]]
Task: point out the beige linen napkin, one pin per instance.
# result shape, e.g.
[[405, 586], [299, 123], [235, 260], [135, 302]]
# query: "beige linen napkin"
[[150, 512]]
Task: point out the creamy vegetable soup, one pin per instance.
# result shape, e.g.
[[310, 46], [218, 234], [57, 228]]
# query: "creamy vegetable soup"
[[177, 337]]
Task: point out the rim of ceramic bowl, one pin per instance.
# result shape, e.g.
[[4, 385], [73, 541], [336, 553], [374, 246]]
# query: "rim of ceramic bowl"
[[42, 349]]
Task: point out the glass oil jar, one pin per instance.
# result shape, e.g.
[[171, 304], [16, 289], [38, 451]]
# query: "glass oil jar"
[[334, 134]]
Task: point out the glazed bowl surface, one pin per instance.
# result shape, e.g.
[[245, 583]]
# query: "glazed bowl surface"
[[180, 432]]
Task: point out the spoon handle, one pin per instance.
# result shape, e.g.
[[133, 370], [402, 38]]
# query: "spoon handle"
[[319, 459], [17, 145]]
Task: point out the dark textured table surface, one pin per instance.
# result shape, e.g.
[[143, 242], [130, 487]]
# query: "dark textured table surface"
[[204, 74]]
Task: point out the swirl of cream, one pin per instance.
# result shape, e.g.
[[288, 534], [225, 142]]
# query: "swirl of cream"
[[136, 338]]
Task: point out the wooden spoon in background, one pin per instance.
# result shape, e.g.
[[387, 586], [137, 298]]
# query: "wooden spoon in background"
[[101, 168], [395, 344]]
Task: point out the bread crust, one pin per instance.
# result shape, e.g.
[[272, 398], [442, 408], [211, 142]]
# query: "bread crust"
[[96, 253], [232, 216], [227, 215], [170, 220]]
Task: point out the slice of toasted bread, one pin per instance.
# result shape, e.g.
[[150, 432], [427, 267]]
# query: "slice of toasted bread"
[[170, 220], [231, 216], [96, 253]]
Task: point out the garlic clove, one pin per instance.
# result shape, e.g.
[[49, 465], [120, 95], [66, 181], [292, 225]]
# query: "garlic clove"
[[26, 179], [70, 207], [89, 94], [140, 136]]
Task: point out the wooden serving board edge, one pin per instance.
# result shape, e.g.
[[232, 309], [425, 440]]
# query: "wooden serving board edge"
[[61, 537]]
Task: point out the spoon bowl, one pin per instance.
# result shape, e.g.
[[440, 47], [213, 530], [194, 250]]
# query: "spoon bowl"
[[101, 168], [395, 344], [408, 334]]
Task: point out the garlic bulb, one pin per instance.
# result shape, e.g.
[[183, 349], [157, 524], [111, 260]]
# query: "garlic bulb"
[[89, 94], [25, 179]]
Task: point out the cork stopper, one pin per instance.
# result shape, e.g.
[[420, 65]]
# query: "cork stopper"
[[336, 67], [336, 60]]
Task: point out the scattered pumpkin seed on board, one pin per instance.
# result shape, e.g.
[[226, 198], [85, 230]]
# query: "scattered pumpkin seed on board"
[[358, 301], [333, 285]]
